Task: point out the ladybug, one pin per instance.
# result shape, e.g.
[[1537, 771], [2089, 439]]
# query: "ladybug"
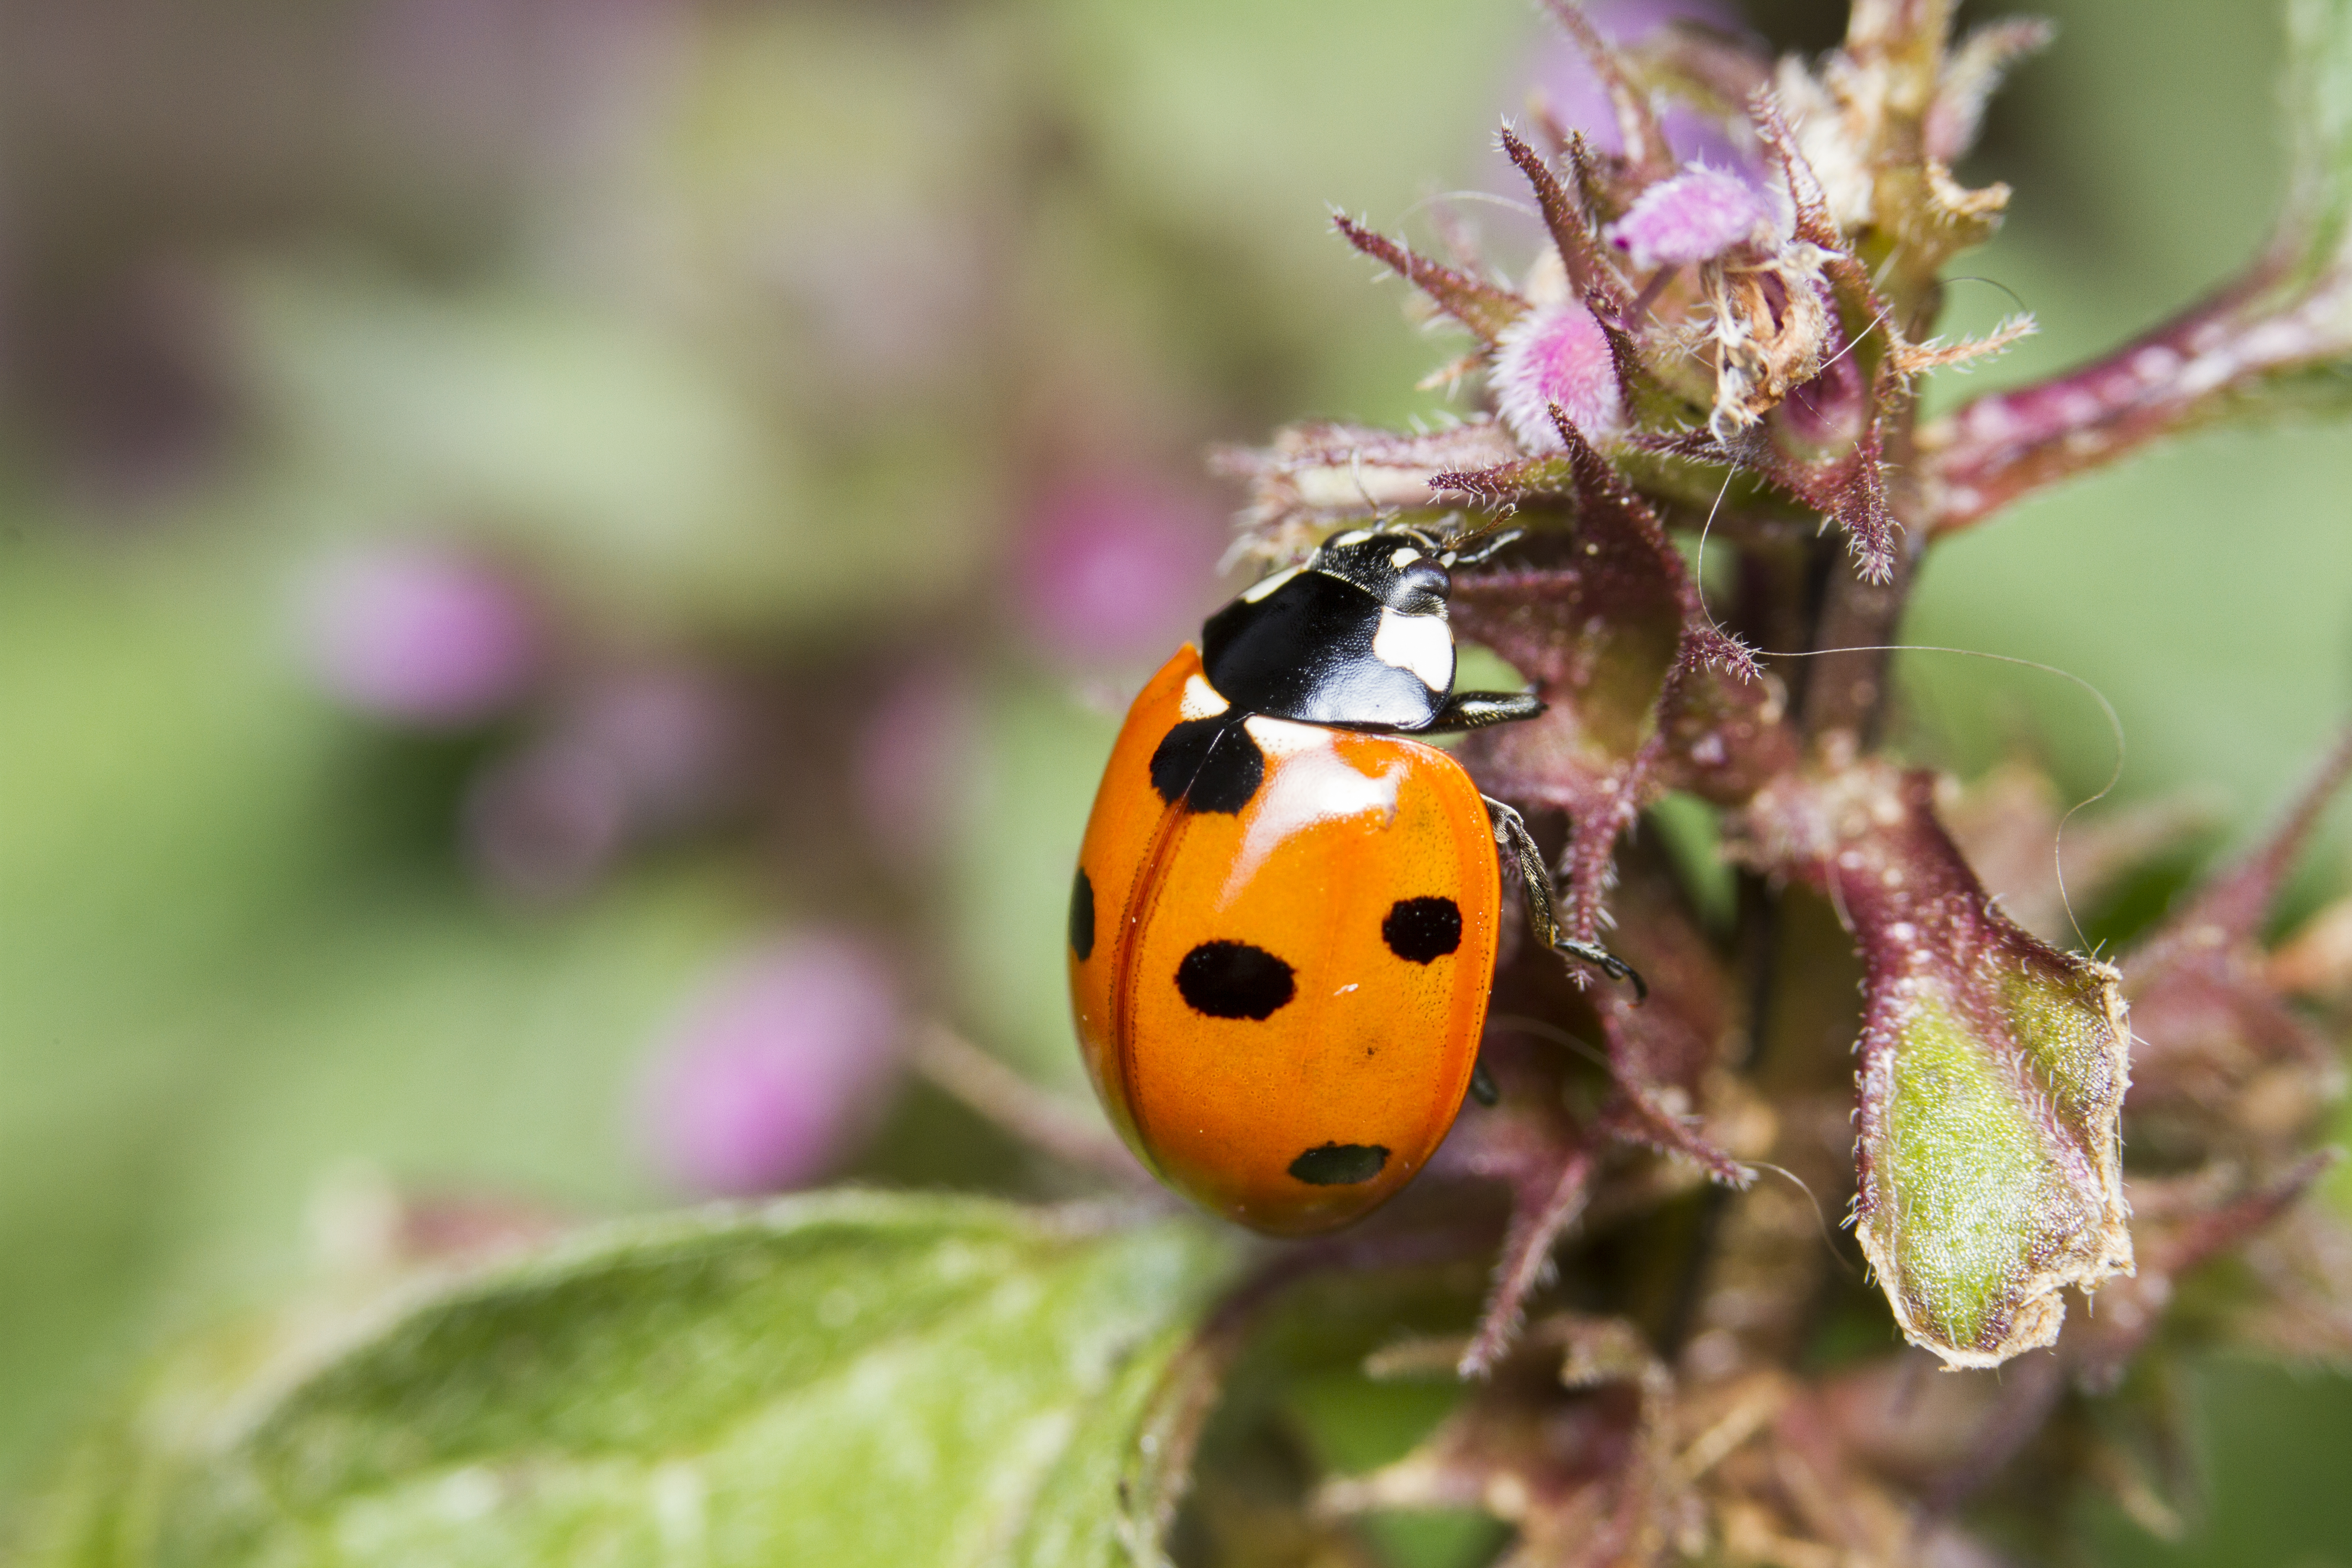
[[1284, 923]]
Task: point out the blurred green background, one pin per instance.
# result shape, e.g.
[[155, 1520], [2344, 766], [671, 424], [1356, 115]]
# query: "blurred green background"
[[801, 407]]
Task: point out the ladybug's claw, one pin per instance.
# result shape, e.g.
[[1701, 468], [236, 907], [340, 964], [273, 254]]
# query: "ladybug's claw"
[[1608, 962], [1535, 880]]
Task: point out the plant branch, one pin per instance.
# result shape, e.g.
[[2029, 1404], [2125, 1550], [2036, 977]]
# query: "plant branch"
[[1846, 690], [2276, 340], [1031, 1115]]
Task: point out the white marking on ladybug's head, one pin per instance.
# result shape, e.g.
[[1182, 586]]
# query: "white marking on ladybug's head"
[[1200, 700], [1353, 536], [1404, 556], [1421, 645], [1264, 586]]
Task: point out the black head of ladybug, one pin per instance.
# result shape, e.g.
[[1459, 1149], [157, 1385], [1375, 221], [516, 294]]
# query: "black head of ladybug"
[[1357, 635], [1406, 572]]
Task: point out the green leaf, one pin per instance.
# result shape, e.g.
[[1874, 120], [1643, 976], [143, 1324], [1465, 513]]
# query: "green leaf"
[[1988, 1138], [841, 1379], [1988, 1117], [2319, 93], [2289, 340]]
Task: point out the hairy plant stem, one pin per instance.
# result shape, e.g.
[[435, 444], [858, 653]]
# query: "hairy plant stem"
[[1846, 690], [1759, 922], [1843, 692]]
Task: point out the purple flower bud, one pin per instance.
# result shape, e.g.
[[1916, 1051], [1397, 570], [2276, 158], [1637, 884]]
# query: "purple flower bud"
[[1114, 566], [778, 1068], [1697, 215], [417, 636], [1557, 354]]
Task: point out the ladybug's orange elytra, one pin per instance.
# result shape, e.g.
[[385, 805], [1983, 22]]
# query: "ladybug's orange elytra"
[[1283, 921], [1281, 1005]]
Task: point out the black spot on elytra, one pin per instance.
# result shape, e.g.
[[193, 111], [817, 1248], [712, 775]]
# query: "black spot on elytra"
[[1339, 1164], [1422, 929], [1234, 980], [1210, 764], [1082, 917]]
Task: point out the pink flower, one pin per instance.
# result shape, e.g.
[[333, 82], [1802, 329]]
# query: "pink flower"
[[1565, 80], [1115, 566], [635, 754], [1556, 354], [677, 739], [1695, 215], [912, 761], [542, 826], [778, 1070], [417, 636]]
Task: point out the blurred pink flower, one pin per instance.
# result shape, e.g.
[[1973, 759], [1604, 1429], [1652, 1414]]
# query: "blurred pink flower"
[[632, 755], [778, 1068], [1115, 566], [1695, 215], [677, 740], [1577, 100], [417, 636], [484, 84], [1556, 354], [544, 823], [912, 761]]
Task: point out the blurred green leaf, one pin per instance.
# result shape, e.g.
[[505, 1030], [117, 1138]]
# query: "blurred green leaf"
[[1008, 890], [2319, 117], [219, 986], [639, 465], [520, 404], [844, 1379], [2269, 1444], [1355, 1424]]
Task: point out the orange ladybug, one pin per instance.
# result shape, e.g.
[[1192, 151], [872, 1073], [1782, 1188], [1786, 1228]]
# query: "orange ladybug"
[[1284, 921]]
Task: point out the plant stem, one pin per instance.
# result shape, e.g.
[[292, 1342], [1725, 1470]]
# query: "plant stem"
[[1846, 690]]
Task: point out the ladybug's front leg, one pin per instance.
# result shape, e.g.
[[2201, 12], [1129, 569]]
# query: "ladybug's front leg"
[[1511, 833], [1478, 548], [1466, 710]]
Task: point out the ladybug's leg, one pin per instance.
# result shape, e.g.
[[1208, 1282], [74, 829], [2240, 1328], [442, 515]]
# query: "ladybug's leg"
[[1477, 709], [1511, 833], [1481, 1086], [1478, 548]]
